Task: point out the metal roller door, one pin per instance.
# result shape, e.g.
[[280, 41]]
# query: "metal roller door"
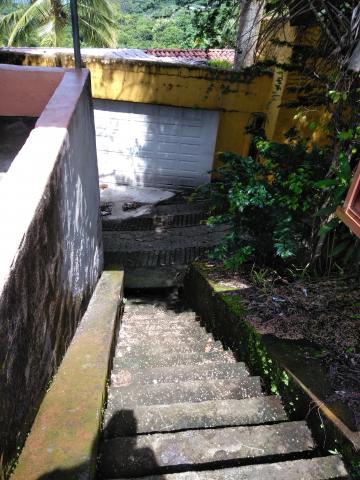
[[152, 145]]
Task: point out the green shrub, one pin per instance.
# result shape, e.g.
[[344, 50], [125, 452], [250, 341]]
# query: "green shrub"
[[269, 200], [217, 63]]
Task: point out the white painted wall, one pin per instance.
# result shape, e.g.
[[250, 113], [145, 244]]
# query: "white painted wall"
[[154, 145]]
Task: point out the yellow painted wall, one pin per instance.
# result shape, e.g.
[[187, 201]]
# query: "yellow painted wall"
[[287, 90], [235, 95]]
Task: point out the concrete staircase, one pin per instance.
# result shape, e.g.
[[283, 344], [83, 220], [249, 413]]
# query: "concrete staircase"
[[182, 408]]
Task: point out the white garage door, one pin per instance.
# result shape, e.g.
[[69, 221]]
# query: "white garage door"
[[152, 145]]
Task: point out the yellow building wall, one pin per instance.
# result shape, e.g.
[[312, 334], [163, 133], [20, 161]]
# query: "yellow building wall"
[[234, 94], [288, 89]]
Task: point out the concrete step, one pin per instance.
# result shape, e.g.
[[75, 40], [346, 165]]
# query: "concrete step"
[[158, 317], [157, 220], [167, 344], [145, 320], [163, 277], [323, 468], [172, 359], [141, 336], [167, 393], [168, 452], [162, 328], [183, 373], [196, 330], [187, 416], [164, 240], [142, 331], [156, 349]]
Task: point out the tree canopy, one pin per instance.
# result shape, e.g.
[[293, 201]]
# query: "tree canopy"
[[155, 24], [47, 23]]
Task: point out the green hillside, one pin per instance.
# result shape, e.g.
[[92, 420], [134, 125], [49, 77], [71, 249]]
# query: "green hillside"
[[155, 24]]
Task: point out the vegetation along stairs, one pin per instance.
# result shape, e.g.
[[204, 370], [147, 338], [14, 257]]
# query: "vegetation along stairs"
[[180, 407]]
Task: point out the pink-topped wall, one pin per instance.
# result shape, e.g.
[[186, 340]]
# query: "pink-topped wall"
[[25, 91]]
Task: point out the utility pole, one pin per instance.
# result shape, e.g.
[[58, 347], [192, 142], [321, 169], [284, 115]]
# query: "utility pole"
[[75, 32]]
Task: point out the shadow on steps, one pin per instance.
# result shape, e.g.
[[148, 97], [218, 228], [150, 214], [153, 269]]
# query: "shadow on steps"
[[86, 470]]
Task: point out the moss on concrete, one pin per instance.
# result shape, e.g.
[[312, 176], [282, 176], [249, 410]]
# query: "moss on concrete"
[[64, 436], [302, 385]]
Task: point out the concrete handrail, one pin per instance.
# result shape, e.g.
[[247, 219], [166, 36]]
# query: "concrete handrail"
[[63, 439]]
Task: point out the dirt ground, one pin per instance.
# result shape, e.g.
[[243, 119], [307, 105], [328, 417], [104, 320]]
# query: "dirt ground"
[[324, 311]]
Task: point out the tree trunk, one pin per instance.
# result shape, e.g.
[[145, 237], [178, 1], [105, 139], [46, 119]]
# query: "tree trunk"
[[248, 33], [354, 63]]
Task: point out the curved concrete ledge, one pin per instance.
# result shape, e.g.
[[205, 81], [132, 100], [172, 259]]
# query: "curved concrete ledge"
[[63, 440], [303, 386]]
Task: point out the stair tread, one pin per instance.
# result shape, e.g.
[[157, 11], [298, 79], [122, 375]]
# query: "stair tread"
[[126, 242], [148, 454], [172, 359], [145, 320], [184, 416], [125, 348], [151, 331], [197, 391], [322, 468], [129, 376], [142, 335]]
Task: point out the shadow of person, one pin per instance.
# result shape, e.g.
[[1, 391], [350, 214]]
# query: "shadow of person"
[[120, 455], [117, 452]]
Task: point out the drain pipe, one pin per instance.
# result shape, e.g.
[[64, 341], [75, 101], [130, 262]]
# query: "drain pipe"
[[75, 32]]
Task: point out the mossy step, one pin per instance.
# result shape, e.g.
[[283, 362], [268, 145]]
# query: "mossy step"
[[323, 468], [158, 349], [184, 416], [183, 373], [167, 393], [172, 359], [169, 452]]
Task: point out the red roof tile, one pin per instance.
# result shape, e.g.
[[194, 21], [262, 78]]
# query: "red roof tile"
[[194, 54]]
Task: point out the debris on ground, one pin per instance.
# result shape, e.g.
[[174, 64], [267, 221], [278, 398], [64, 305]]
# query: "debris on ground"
[[127, 202]]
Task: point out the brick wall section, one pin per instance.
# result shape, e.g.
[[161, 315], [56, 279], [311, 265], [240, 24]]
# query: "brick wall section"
[[227, 54]]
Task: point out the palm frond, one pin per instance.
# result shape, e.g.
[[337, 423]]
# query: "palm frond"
[[23, 22], [98, 21]]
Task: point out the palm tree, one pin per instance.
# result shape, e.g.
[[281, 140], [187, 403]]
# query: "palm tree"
[[46, 23]]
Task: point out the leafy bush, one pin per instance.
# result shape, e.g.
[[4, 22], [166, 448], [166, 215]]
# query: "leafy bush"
[[269, 200], [281, 201], [217, 63]]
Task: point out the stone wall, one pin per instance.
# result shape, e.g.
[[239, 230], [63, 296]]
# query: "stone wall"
[[50, 253]]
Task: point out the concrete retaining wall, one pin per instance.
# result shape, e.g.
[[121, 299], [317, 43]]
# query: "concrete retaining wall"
[[50, 253]]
